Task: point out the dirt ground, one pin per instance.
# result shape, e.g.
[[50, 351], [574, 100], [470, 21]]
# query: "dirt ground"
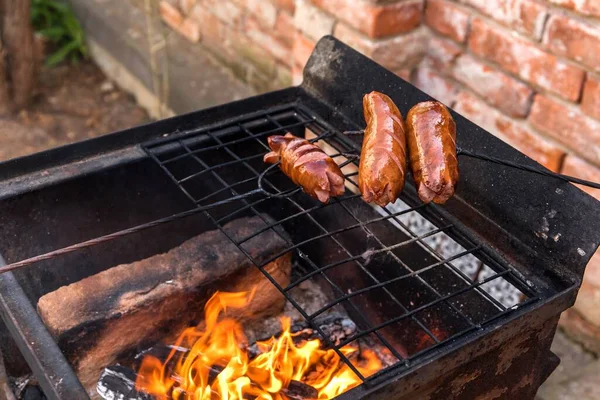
[[72, 103]]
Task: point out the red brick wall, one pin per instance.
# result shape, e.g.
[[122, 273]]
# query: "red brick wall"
[[526, 70], [267, 42]]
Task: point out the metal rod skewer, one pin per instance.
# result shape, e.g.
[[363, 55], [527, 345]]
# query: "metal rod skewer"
[[171, 218], [467, 153], [261, 190], [528, 168]]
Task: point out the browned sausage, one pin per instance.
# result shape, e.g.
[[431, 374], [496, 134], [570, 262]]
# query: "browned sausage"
[[306, 165], [382, 168], [432, 149]]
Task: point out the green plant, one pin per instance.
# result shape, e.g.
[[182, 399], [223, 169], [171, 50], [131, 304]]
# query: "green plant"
[[56, 21]]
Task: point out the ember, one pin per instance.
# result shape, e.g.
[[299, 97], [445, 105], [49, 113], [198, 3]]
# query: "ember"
[[283, 365]]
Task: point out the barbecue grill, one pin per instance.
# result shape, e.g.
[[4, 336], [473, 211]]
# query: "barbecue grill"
[[481, 281]]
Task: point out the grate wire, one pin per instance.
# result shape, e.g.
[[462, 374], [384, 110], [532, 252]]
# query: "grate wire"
[[251, 131]]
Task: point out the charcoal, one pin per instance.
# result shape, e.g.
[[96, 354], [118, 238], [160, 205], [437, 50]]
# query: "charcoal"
[[118, 383], [336, 328], [214, 371], [300, 391], [99, 318]]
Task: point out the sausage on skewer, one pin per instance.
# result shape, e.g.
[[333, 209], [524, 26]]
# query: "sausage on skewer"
[[432, 149], [307, 165], [382, 168]]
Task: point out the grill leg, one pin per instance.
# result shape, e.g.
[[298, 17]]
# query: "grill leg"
[[552, 362]]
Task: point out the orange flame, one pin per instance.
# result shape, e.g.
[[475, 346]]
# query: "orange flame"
[[221, 346]]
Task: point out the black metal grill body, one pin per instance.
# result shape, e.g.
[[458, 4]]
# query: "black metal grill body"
[[535, 234]]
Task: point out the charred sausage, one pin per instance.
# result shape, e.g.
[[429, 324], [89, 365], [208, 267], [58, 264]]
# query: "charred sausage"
[[382, 168], [306, 165], [432, 149]]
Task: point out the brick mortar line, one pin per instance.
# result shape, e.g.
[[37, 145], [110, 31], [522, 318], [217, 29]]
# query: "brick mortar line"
[[568, 105], [565, 11], [525, 124], [521, 122], [544, 26], [513, 32], [474, 12], [239, 30], [535, 88], [569, 151], [468, 31], [244, 63], [497, 69], [338, 20], [538, 45], [489, 63], [463, 7], [578, 64], [580, 96], [381, 39]]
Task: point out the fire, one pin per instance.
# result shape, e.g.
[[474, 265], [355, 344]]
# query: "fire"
[[218, 365]]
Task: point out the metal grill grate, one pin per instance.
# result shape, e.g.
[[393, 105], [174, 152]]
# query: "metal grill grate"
[[460, 287]]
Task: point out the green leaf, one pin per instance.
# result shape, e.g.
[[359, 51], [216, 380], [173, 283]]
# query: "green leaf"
[[55, 20], [53, 33], [58, 56], [43, 19], [84, 50], [57, 6]]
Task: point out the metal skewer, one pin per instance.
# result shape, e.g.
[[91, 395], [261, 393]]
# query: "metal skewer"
[[528, 168], [467, 153], [267, 194], [260, 190]]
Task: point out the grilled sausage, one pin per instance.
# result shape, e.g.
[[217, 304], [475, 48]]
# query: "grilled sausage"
[[432, 149], [306, 165], [382, 168]]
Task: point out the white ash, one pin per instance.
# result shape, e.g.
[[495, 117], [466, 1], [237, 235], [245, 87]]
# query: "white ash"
[[20, 383], [118, 383]]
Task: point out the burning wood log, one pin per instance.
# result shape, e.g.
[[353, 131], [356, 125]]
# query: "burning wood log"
[[335, 327], [105, 315], [300, 391], [118, 382]]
